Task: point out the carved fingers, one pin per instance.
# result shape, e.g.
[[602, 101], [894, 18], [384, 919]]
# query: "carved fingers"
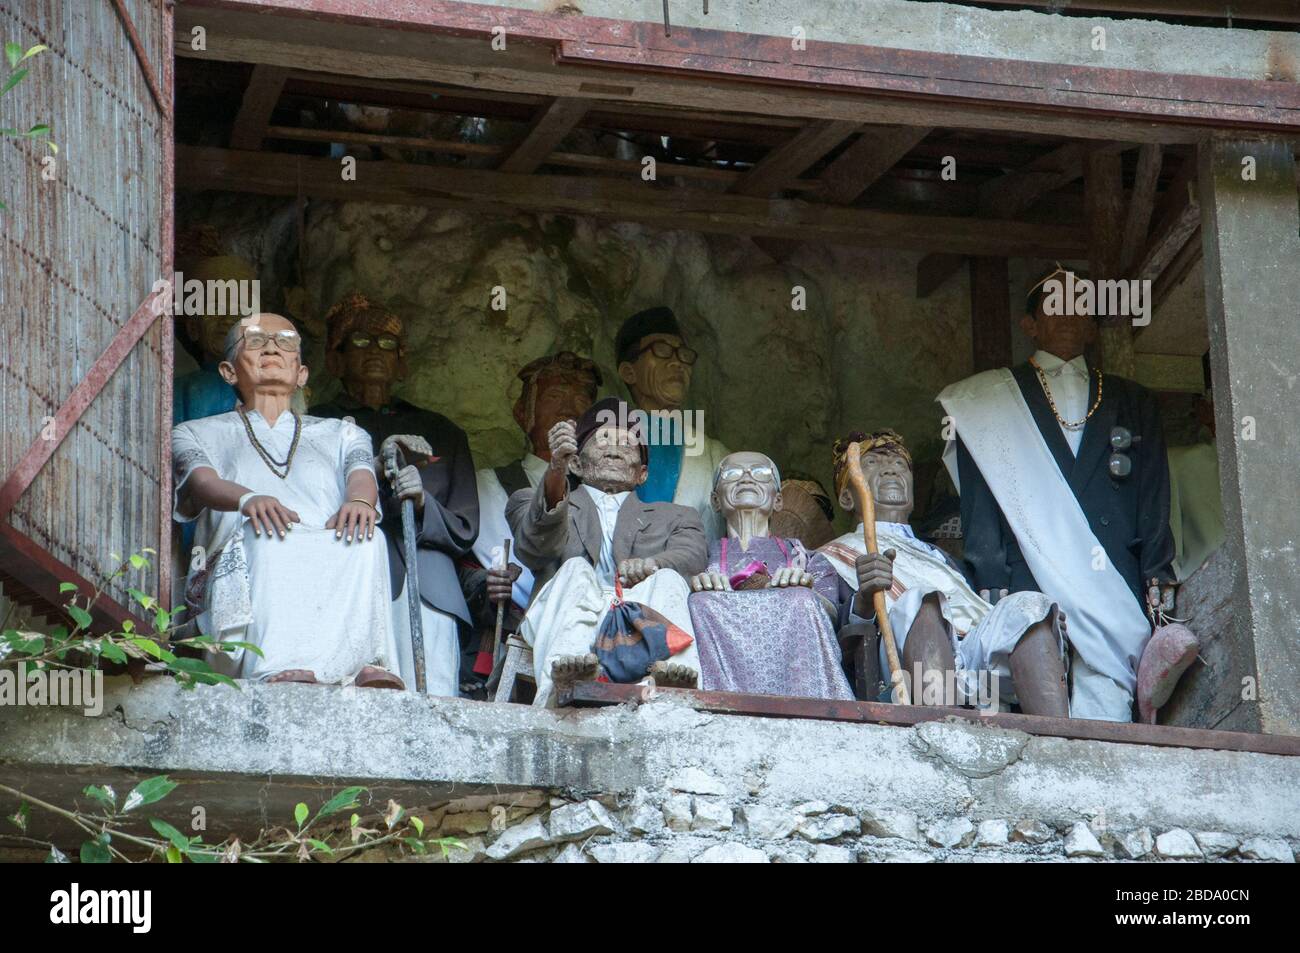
[[269, 516], [408, 485], [710, 582], [563, 441], [788, 576], [501, 581], [875, 571], [632, 571], [354, 520], [413, 445]]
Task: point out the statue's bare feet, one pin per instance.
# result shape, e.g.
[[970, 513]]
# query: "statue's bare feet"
[[372, 676], [674, 675], [569, 669], [301, 675]]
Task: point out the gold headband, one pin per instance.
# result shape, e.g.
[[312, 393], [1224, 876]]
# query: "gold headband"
[[879, 440]]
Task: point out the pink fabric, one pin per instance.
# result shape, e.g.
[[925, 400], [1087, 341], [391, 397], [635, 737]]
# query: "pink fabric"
[[1171, 649]]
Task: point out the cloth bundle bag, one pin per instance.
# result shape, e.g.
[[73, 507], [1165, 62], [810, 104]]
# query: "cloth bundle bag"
[[632, 637]]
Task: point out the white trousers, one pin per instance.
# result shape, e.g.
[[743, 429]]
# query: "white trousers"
[[566, 615], [1095, 696], [441, 647]]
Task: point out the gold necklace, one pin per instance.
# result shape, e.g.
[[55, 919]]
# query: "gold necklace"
[[274, 465], [1051, 401]]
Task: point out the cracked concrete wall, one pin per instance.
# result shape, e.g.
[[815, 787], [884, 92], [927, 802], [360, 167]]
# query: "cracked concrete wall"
[[248, 756]]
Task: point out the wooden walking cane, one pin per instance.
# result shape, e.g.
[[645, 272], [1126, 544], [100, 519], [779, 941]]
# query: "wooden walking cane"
[[489, 644], [501, 607], [393, 462], [867, 509]]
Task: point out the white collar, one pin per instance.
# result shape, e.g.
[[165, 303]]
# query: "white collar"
[[534, 468], [1050, 363], [896, 529], [600, 496]]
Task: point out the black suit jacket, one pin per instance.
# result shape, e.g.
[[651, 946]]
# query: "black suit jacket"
[[447, 528], [1129, 516]]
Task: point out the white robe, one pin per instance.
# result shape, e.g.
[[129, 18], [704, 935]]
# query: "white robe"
[[308, 601], [983, 635], [695, 484], [492, 526]]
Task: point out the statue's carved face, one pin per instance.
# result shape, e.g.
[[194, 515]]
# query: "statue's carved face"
[[746, 481], [1065, 335], [610, 460], [209, 332], [562, 396], [657, 382], [269, 369], [889, 477], [372, 352]]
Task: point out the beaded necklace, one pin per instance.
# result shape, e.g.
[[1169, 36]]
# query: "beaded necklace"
[[274, 465], [1051, 401]]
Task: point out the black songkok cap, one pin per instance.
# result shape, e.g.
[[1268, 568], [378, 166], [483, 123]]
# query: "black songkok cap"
[[660, 320], [611, 410]]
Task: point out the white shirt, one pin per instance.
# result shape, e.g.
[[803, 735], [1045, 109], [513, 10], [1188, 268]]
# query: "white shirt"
[[1068, 383], [607, 507], [492, 526]]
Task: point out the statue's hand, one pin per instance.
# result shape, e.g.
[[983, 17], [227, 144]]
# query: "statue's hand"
[[413, 445], [500, 582], [354, 520], [632, 571], [407, 485], [710, 582], [875, 572], [563, 441], [788, 576], [1160, 595], [266, 513]]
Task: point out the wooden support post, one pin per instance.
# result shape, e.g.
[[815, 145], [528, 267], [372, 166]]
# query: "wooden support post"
[[862, 164], [787, 161], [990, 311], [1251, 233], [1104, 207], [263, 92], [548, 130]]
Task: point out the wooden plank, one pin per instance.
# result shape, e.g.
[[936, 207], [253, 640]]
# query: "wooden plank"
[[549, 128], [612, 199], [430, 48], [880, 713], [1177, 270], [263, 92], [1141, 204], [787, 162], [990, 306], [1181, 217], [863, 163], [1104, 209]]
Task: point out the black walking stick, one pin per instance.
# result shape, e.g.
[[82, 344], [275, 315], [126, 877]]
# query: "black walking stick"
[[393, 462]]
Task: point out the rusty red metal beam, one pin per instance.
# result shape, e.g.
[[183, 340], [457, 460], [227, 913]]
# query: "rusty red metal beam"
[[163, 104], [777, 706], [1043, 87], [167, 332], [41, 449]]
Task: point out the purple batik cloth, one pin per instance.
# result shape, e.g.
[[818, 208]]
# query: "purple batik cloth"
[[771, 641]]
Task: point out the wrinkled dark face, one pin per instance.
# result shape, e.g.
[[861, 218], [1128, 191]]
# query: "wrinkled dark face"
[[558, 397], [657, 382], [369, 354], [746, 481], [1065, 335], [889, 477], [611, 461]]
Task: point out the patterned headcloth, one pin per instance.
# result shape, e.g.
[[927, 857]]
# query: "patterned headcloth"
[[880, 439], [564, 364], [356, 311]]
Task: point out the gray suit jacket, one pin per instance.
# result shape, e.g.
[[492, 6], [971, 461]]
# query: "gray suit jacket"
[[672, 534]]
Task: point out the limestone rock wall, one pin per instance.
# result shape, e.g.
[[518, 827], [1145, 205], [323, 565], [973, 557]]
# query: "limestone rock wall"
[[865, 352]]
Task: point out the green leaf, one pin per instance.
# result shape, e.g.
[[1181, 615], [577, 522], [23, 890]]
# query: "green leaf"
[[343, 801], [26, 643], [230, 646], [56, 856], [38, 48], [300, 814], [149, 791], [418, 824], [19, 817], [14, 54], [13, 80], [40, 129], [354, 821], [150, 647], [144, 599], [67, 587], [54, 146], [161, 620], [138, 561], [205, 856], [112, 652], [103, 796], [173, 854], [96, 851], [178, 840], [320, 845], [415, 844], [80, 616]]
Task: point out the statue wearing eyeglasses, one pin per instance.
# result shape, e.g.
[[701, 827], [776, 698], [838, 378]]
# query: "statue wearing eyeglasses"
[[656, 364], [765, 610], [366, 350], [286, 510]]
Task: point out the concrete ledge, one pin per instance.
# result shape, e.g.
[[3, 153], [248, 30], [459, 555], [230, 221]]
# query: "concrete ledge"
[[251, 754]]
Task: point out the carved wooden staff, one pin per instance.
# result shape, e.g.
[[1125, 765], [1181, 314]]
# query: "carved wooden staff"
[[867, 508], [501, 606], [393, 462]]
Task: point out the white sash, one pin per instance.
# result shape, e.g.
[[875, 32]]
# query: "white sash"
[[1106, 624]]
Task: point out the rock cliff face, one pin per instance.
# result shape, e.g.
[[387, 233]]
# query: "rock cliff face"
[[864, 353]]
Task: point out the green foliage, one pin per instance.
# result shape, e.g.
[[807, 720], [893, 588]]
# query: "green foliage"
[[81, 647], [14, 55], [110, 835]]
